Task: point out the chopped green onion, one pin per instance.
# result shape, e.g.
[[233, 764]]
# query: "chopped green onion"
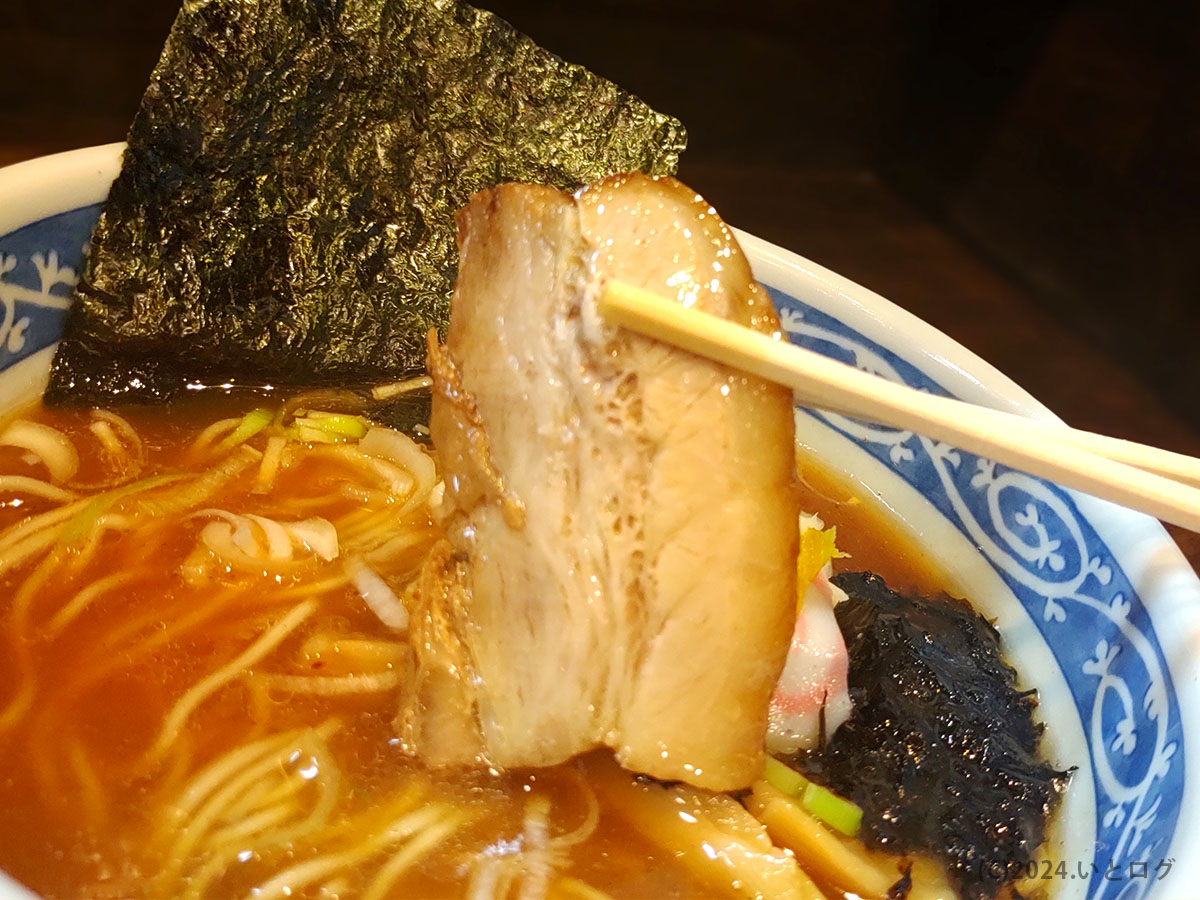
[[836, 812], [252, 423], [308, 434], [322, 414], [784, 778], [76, 529], [334, 424]]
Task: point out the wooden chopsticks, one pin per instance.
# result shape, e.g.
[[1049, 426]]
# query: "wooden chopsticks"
[[1145, 478]]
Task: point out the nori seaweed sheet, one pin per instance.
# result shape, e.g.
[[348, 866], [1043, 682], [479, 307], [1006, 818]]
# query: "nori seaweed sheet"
[[285, 210], [941, 749]]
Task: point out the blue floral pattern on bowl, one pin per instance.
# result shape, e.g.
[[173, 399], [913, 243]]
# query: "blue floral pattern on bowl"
[[39, 265], [1030, 531]]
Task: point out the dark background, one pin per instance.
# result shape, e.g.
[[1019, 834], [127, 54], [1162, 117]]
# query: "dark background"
[[1025, 175]]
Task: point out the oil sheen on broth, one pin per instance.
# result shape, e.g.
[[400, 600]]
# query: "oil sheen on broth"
[[178, 722]]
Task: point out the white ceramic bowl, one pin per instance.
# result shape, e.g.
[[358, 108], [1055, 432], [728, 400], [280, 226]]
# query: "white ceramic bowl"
[[1099, 609]]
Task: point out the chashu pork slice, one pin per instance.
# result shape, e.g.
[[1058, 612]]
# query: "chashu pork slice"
[[621, 517]]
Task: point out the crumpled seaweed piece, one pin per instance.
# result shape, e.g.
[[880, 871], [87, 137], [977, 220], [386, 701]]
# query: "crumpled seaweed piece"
[[285, 209], [941, 750]]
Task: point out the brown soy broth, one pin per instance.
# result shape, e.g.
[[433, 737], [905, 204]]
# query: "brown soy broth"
[[83, 805], [872, 538]]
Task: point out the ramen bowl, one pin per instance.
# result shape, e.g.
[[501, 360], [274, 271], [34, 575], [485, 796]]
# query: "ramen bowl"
[[1098, 608]]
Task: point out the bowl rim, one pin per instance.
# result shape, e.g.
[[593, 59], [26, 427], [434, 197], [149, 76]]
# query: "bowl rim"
[[1166, 583], [58, 183]]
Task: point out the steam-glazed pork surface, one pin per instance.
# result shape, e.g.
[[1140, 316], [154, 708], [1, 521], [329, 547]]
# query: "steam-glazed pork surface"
[[621, 521]]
